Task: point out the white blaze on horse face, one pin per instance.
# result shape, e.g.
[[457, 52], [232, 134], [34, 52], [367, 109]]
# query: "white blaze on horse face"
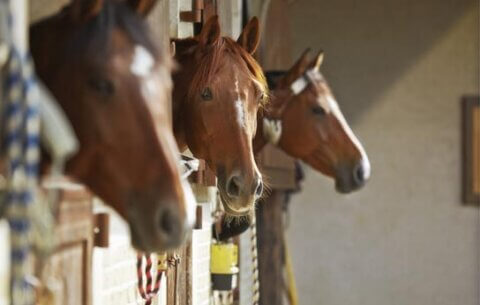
[[239, 106], [143, 61], [143, 67], [335, 110], [151, 86], [151, 78]]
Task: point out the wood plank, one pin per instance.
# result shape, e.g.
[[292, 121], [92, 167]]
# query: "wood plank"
[[70, 265]]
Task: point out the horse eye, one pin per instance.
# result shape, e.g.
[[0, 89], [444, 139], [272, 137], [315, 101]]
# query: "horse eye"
[[207, 94], [102, 86], [317, 110]]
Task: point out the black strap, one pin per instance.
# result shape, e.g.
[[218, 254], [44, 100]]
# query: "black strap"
[[273, 76]]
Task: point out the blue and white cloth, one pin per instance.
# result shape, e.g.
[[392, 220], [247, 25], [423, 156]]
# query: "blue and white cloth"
[[22, 148], [26, 109]]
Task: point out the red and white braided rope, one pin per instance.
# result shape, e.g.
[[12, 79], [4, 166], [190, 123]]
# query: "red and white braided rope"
[[147, 291]]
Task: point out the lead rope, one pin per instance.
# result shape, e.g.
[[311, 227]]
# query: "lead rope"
[[254, 250], [22, 125], [27, 105], [149, 292]]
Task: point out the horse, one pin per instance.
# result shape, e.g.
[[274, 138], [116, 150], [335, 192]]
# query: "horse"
[[304, 120], [217, 93], [112, 81]]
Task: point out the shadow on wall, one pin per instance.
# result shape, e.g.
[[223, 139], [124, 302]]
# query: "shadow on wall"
[[356, 55]]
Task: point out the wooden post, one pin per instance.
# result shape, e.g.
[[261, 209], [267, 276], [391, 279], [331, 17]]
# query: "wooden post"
[[270, 226], [270, 248], [274, 53]]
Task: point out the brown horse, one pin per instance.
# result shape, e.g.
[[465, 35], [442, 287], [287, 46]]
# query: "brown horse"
[[218, 91], [113, 83], [305, 121]]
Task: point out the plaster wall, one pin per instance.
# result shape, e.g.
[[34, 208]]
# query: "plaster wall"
[[398, 69]]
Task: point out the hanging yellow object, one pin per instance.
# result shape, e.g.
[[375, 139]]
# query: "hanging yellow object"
[[224, 259], [223, 266]]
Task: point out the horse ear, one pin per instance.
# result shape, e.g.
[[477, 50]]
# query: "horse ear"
[[296, 70], [210, 32], [250, 37], [317, 61], [142, 7], [85, 9]]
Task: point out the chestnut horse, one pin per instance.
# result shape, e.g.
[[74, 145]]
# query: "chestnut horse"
[[305, 121], [113, 83], [217, 93]]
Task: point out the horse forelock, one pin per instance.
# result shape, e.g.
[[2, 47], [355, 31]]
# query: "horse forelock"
[[256, 71], [210, 61]]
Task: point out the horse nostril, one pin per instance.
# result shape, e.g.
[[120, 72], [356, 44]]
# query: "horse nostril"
[[259, 188], [233, 186], [168, 222], [359, 174]]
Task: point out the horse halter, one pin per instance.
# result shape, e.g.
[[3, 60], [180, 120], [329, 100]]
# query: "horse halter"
[[302, 82], [272, 128]]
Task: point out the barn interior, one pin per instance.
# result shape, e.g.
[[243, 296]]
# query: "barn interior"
[[405, 74]]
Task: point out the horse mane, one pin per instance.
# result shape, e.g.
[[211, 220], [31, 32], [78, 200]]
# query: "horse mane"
[[210, 62]]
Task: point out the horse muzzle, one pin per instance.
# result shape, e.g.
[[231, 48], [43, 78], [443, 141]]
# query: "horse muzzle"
[[160, 230], [239, 192], [352, 178]]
